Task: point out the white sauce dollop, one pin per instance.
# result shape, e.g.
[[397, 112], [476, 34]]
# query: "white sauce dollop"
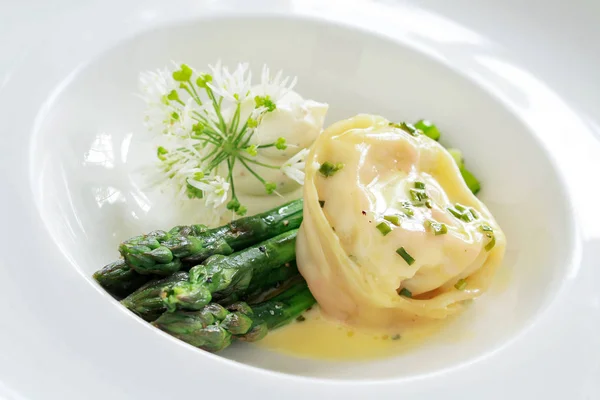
[[299, 122]]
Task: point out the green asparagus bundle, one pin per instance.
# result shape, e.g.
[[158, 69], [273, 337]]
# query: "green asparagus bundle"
[[213, 327], [222, 276], [163, 253]]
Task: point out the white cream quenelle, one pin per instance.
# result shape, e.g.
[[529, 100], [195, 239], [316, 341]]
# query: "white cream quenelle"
[[392, 233], [297, 120]]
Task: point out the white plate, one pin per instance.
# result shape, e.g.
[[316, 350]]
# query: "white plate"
[[524, 114]]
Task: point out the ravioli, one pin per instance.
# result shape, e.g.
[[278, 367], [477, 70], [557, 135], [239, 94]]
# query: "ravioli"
[[391, 231]]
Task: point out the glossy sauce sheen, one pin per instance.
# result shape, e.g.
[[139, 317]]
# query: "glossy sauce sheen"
[[321, 337]]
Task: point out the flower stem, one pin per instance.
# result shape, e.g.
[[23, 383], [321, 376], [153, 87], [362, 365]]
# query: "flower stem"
[[258, 163], [252, 171], [217, 108]]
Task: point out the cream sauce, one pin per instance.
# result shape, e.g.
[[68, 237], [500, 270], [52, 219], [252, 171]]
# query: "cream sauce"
[[322, 337]]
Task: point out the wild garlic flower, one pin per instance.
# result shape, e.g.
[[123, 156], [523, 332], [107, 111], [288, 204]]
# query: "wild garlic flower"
[[294, 167], [200, 113]]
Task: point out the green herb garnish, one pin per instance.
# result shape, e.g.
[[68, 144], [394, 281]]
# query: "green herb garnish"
[[328, 169], [394, 219], [407, 209], [322, 203], [489, 233], [407, 257], [461, 284], [438, 228], [405, 292], [384, 228], [461, 212]]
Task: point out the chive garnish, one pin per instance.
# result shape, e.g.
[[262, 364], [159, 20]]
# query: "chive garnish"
[[406, 209], [455, 213], [419, 185], [418, 196], [466, 214], [438, 228], [384, 228], [460, 207], [322, 203], [405, 292], [407, 257], [489, 233], [394, 219], [406, 127], [490, 244], [328, 169], [461, 284]]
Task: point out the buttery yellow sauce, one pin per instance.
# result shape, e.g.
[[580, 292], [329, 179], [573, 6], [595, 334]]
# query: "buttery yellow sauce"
[[320, 337]]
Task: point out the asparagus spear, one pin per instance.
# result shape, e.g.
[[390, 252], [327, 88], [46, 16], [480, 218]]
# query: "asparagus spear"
[[146, 301], [263, 286], [213, 327], [224, 275], [119, 279], [163, 253]]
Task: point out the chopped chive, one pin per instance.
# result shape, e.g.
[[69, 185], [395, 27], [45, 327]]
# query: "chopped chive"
[[460, 207], [328, 169], [461, 284], [490, 244], [455, 213], [395, 337], [489, 233], [322, 203], [406, 127], [418, 196], [438, 228], [486, 228], [394, 219], [405, 292], [384, 228], [428, 128], [474, 213], [428, 203], [419, 185], [466, 216], [407, 257], [407, 209]]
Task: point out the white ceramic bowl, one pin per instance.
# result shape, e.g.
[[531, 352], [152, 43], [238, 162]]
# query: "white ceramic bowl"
[[85, 166], [85, 148]]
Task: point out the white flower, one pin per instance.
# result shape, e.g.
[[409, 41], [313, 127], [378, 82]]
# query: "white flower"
[[208, 112], [215, 189], [275, 87], [154, 85], [235, 86], [294, 167]]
